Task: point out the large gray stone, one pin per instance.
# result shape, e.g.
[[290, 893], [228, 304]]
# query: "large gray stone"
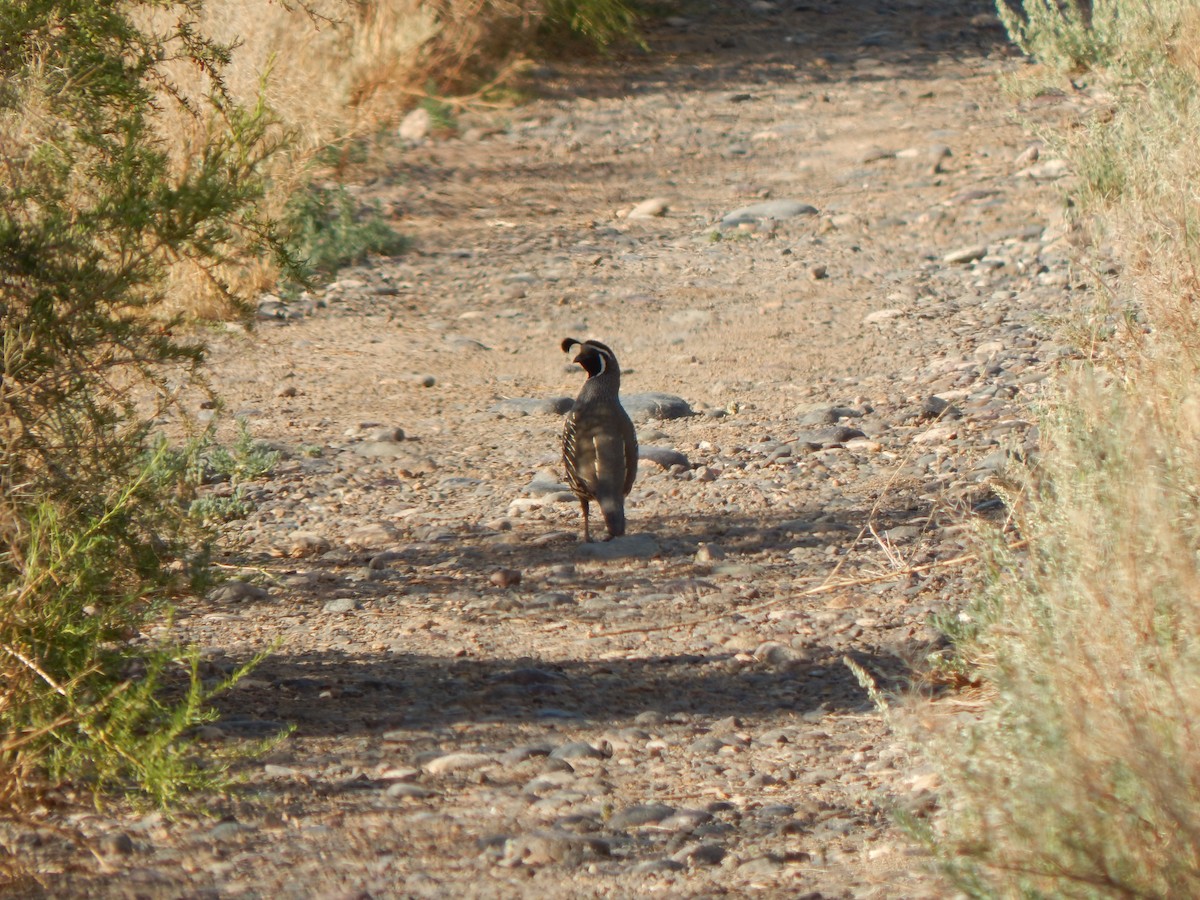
[[770, 209], [515, 407], [653, 405]]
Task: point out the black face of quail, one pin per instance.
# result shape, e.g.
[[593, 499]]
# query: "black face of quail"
[[596, 358], [599, 443]]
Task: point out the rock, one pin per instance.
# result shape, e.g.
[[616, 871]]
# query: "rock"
[[663, 456], [341, 605], [505, 578], [708, 744], [458, 762], [1050, 170], [581, 750], [405, 791], [271, 307], [629, 546], [543, 487], [515, 407], [779, 210], [415, 126], [964, 255], [829, 415], [882, 315], [1028, 156], [766, 865], [116, 844], [552, 847], [658, 866], [649, 209], [225, 830], [706, 854], [306, 543], [237, 592], [642, 814], [774, 653], [374, 536], [653, 405], [817, 438]]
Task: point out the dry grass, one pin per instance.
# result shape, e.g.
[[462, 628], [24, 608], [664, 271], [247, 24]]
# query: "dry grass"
[[329, 71]]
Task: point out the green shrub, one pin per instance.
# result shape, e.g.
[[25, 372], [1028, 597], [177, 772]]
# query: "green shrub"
[[95, 539], [1076, 35], [601, 22], [328, 230]]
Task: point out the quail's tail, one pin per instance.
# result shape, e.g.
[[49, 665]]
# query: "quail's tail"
[[614, 515]]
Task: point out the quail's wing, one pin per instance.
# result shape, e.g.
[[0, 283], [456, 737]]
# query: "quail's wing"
[[631, 451], [578, 455]]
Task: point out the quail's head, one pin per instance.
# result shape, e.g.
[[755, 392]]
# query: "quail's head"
[[595, 357]]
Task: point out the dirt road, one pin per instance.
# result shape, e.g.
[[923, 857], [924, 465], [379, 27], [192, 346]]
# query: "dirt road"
[[483, 706]]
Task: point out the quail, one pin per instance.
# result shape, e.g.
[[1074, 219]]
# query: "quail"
[[599, 444]]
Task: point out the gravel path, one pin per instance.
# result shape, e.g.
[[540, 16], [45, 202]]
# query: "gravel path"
[[829, 261]]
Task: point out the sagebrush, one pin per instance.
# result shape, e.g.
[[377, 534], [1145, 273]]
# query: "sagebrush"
[[1080, 777]]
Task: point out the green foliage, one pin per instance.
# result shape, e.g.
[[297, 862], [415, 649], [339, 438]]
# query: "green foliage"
[[441, 113], [601, 22], [1077, 35], [95, 539], [327, 230], [78, 701], [245, 460]]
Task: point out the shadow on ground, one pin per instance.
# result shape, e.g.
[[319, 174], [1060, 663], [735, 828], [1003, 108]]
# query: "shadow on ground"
[[706, 44], [331, 694], [368, 690]]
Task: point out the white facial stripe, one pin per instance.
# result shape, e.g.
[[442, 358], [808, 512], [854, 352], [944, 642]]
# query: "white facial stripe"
[[604, 354]]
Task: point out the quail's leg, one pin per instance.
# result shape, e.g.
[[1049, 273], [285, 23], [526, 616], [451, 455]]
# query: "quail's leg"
[[587, 536]]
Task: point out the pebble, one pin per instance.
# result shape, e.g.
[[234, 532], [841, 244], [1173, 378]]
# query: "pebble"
[[580, 750], [663, 456], [415, 126], [341, 605], [706, 854], [515, 407], [306, 543], [406, 791], [505, 578], [965, 255], [116, 844]]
